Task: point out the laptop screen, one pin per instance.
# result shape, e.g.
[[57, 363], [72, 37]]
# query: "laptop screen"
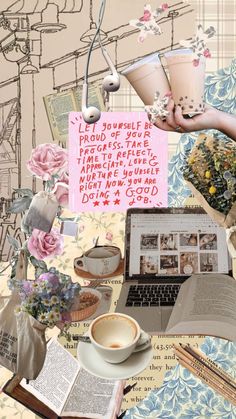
[[163, 242]]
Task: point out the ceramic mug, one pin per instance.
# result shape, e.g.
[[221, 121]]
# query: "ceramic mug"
[[100, 260], [115, 336]]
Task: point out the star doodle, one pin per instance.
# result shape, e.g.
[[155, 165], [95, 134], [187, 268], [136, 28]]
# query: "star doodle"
[[116, 201], [96, 203]]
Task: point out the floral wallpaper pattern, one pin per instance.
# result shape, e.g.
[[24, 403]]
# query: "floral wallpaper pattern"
[[220, 93], [182, 396]]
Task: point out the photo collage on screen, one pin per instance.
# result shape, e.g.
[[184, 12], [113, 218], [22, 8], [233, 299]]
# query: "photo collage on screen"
[[178, 253]]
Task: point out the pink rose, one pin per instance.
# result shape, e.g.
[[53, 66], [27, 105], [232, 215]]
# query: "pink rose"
[[164, 6], [62, 192], [207, 53], [42, 245], [146, 16], [47, 160], [109, 236]]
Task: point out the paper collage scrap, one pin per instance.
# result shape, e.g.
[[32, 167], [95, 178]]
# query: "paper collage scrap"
[[119, 162]]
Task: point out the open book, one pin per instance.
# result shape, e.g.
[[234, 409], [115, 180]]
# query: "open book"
[[69, 391], [59, 105], [205, 306]]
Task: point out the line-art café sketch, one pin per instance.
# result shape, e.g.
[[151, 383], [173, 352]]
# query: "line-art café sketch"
[[43, 52]]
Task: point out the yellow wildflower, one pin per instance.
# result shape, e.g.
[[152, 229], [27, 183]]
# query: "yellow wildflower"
[[208, 174], [191, 160], [212, 190]]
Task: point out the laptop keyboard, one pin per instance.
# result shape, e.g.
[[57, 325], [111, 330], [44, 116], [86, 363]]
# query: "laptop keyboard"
[[152, 295]]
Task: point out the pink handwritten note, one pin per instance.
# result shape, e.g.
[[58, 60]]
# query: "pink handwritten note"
[[119, 162]]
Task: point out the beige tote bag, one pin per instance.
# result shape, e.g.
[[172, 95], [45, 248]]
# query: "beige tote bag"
[[22, 338]]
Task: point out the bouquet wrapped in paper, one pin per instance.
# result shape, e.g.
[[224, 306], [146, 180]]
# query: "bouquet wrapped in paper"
[[210, 172]]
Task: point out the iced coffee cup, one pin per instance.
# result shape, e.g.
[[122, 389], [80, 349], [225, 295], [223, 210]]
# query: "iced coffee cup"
[[186, 80], [147, 77]]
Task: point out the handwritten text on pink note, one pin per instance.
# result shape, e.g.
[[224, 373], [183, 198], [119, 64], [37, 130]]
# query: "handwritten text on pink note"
[[119, 162]]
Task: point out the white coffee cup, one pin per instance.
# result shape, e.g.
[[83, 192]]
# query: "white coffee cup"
[[115, 336], [147, 76], [100, 260]]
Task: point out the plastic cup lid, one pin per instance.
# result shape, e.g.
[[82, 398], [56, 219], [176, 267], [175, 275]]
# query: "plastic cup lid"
[[148, 59], [178, 52]]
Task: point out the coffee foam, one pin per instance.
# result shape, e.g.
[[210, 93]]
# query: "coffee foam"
[[102, 252], [127, 329]]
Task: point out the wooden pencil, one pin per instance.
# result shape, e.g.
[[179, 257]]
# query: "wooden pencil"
[[207, 381], [191, 354], [190, 360], [211, 364]]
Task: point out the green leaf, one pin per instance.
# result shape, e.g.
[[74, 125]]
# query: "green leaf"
[[13, 242], [38, 263], [20, 205], [24, 192]]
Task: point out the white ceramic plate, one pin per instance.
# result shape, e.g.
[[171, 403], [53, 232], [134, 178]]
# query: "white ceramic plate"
[[92, 362]]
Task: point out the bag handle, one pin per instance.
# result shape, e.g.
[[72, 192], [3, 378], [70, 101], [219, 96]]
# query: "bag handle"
[[21, 266]]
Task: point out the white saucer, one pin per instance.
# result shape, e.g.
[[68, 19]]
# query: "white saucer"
[[92, 362]]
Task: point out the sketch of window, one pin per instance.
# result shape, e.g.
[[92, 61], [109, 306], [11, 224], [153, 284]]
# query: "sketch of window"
[[48, 32]]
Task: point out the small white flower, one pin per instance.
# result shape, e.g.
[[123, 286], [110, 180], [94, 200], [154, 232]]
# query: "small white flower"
[[54, 299], [30, 300], [46, 302], [198, 42], [42, 317], [158, 109], [57, 316], [52, 316], [56, 309], [147, 23]]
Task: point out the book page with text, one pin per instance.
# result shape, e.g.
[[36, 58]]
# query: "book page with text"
[[92, 397], [55, 381], [206, 305]]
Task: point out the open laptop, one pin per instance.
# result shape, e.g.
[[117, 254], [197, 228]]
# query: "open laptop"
[[164, 247]]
